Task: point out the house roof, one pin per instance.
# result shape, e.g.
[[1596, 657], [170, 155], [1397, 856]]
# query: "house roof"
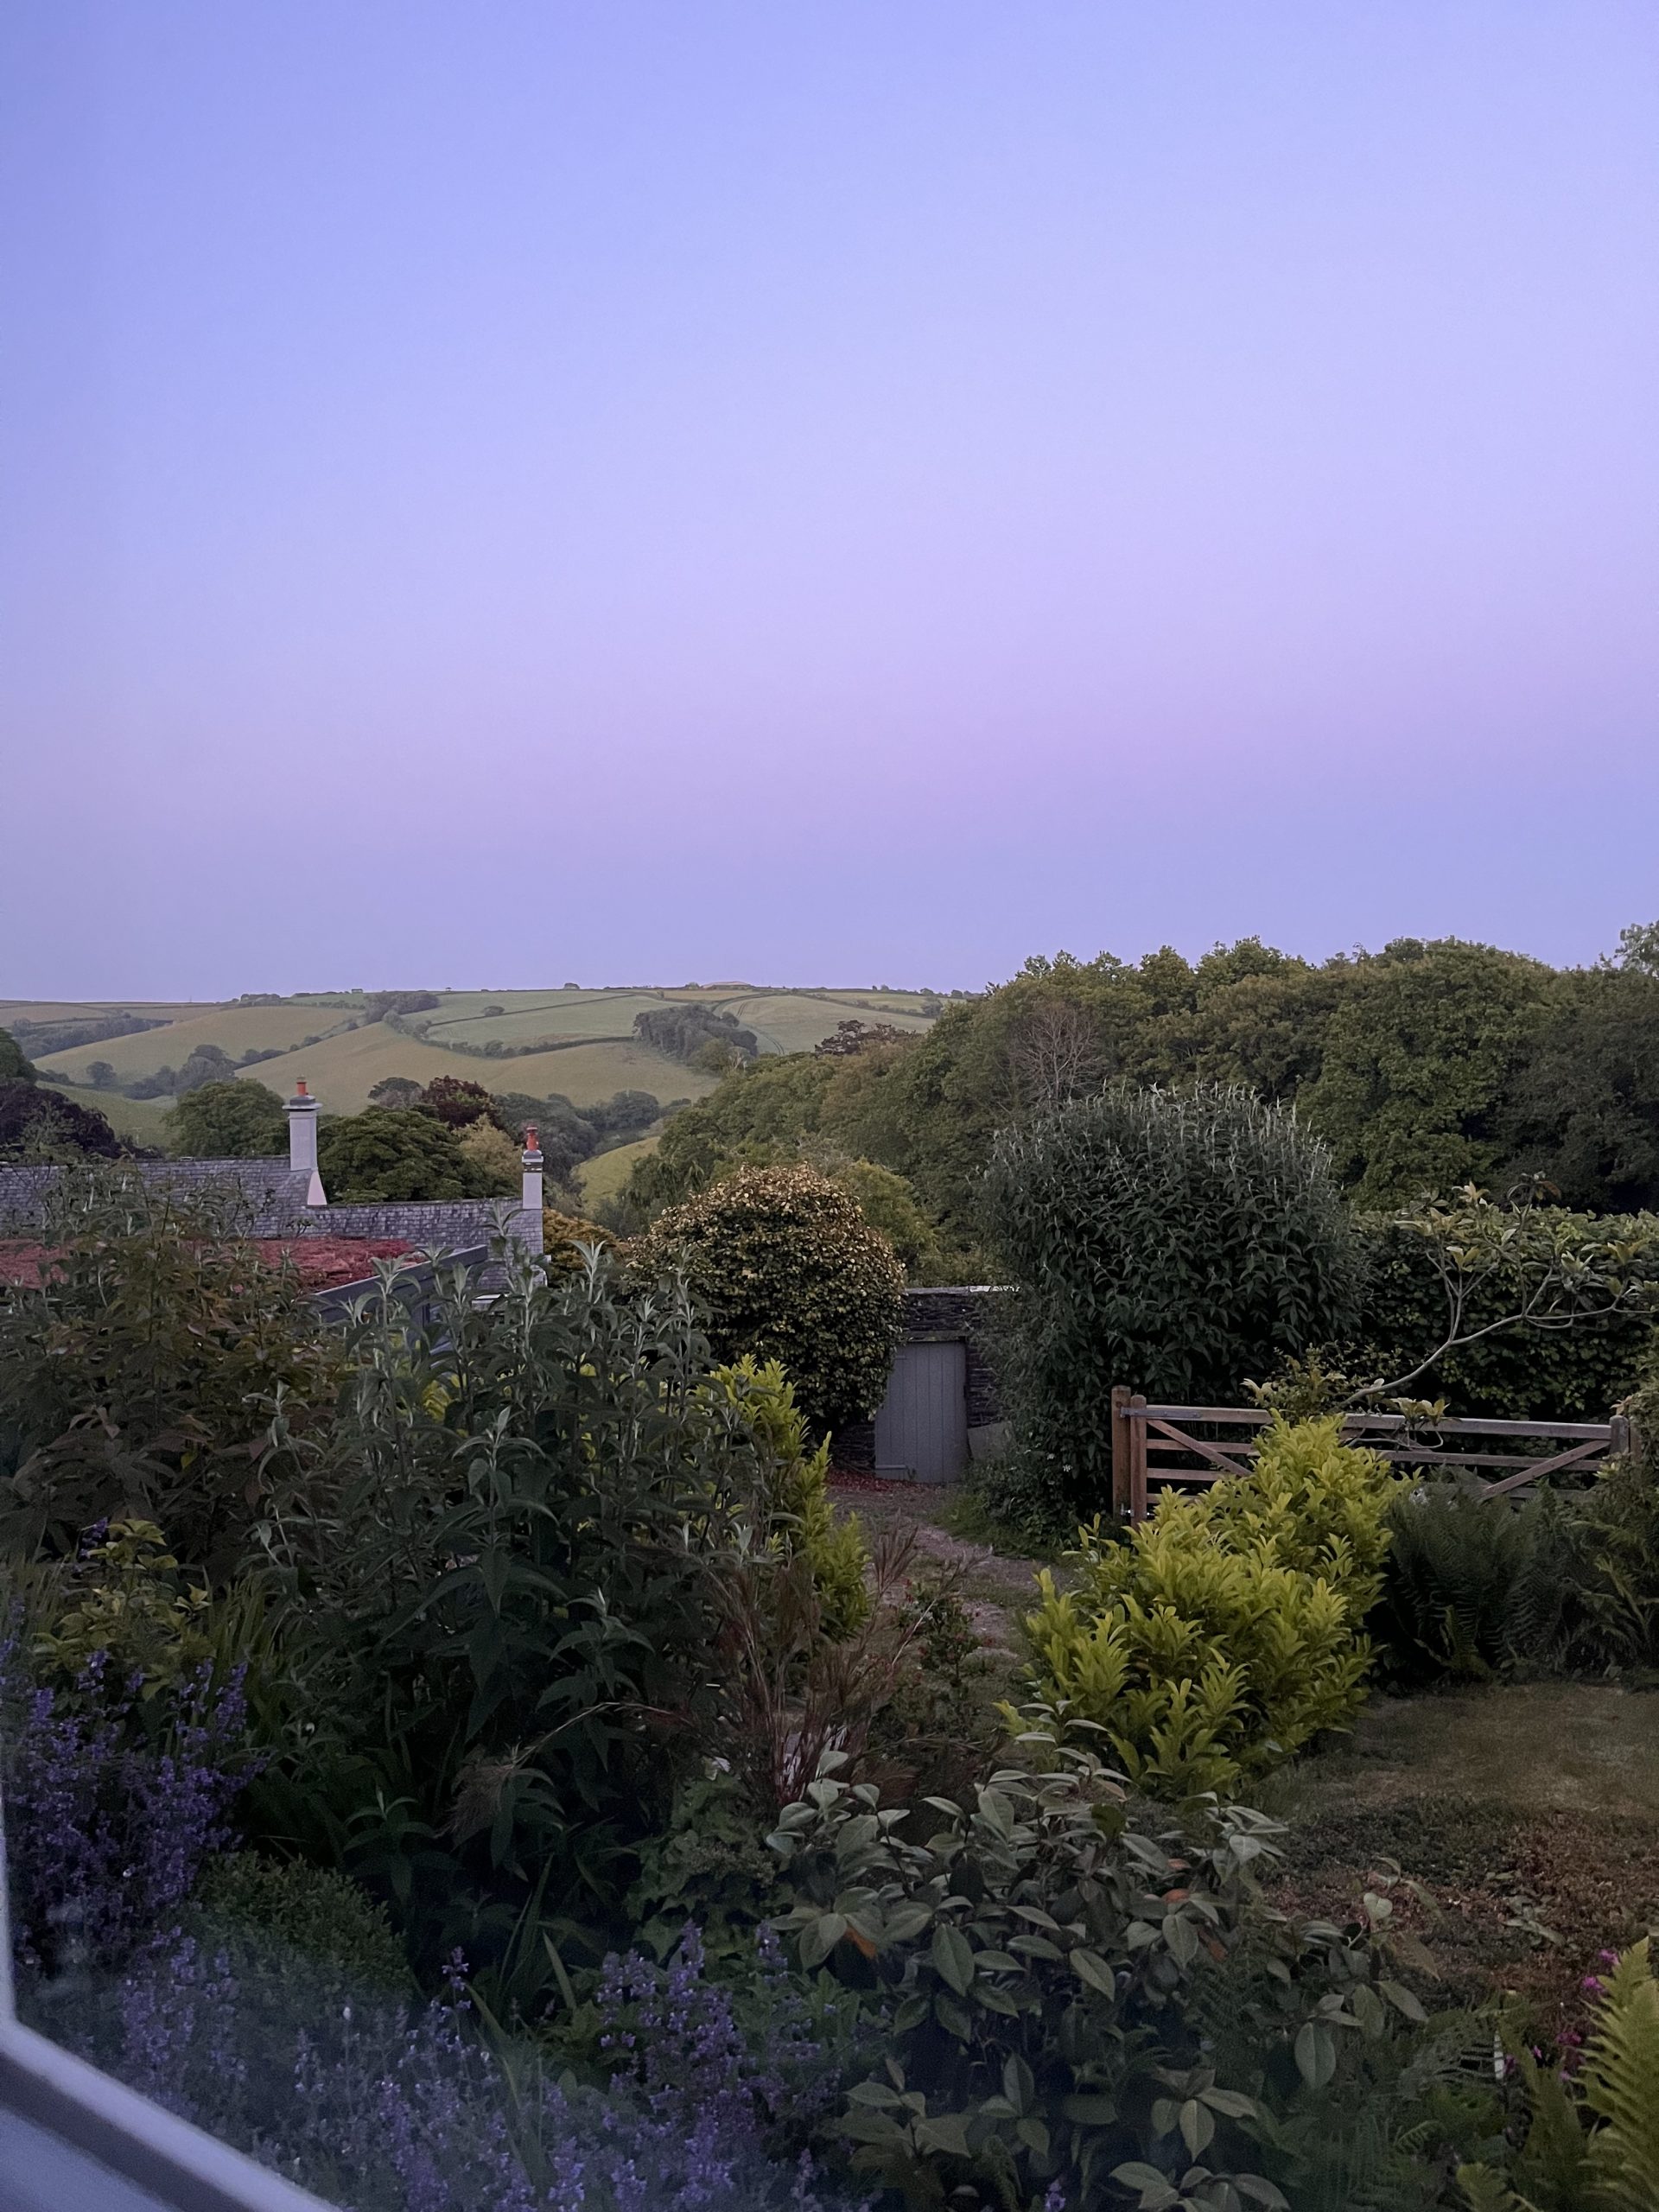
[[321, 1262], [267, 1197]]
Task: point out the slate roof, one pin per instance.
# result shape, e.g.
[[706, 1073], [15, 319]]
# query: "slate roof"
[[267, 1197]]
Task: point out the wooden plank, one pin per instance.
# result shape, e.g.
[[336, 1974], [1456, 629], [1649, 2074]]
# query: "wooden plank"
[[1589, 1431], [1123, 1446], [1211, 1452], [1137, 1461], [1574, 1458]]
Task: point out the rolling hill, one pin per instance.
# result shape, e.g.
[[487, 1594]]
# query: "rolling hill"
[[583, 1043]]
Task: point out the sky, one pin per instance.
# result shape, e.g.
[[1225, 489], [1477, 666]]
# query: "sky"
[[667, 490]]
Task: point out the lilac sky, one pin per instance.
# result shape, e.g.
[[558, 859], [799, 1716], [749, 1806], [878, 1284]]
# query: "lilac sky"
[[819, 492]]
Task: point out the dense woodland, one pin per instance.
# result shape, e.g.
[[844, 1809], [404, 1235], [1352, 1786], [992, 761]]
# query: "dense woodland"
[[1427, 1065]]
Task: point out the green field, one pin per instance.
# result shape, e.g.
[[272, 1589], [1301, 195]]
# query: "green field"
[[140, 1120], [590, 1048], [603, 1176]]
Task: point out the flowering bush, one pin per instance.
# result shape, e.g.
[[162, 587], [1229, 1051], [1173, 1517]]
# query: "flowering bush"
[[112, 1806]]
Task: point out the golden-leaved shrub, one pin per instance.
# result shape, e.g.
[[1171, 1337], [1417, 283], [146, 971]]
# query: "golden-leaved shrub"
[[1226, 1631]]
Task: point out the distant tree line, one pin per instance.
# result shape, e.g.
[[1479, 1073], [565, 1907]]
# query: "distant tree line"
[[702, 1036], [75, 1031], [1428, 1066]]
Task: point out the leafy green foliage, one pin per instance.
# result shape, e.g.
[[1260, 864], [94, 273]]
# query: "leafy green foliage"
[[1224, 1632], [14, 1067], [690, 1032], [1553, 1309], [229, 1120], [1467, 1591], [310, 1918], [139, 1380], [388, 1153], [1583, 1109], [799, 1493], [787, 1269], [1418, 1060], [458, 1104], [493, 1157], [128, 1598], [1052, 1972], [1593, 2142], [527, 1512], [1175, 1244], [36, 1123]]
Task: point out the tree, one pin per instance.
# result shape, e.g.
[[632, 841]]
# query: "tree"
[[388, 1153], [206, 1064], [229, 1120], [1638, 948], [395, 1090], [40, 1124], [1173, 1243], [788, 1268], [1583, 1110], [1419, 1059], [493, 1157], [455, 1102], [14, 1067], [101, 1075]]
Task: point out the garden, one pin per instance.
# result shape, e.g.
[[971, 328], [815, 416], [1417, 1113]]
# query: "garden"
[[499, 1765]]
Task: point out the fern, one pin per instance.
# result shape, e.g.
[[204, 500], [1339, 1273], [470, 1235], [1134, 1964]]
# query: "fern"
[[1593, 2145], [1621, 2087]]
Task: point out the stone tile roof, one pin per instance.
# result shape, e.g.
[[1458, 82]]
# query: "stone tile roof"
[[266, 1197]]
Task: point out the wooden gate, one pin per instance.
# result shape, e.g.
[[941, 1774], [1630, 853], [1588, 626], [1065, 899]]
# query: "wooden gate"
[[1155, 1445]]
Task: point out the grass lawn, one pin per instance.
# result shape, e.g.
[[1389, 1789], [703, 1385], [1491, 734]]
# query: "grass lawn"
[[1528, 1814], [1525, 1816]]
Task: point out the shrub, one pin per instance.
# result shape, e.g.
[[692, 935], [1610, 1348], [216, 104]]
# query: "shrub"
[[530, 1507], [1226, 1632], [765, 1399], [112, 1806], [789, 1270], [1051, 1973], [229, 1120], [1176, 1244], [383, 2108], [309, 1917], [1457, 1596], [140, 1376], [564, 1234], [388, 1153], [1577, 1371]]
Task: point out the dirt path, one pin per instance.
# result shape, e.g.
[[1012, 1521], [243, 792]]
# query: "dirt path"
[[996, 1589]]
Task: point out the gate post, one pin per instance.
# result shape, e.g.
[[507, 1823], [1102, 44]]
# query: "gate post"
[[1121, 1448], [1137, 1463]]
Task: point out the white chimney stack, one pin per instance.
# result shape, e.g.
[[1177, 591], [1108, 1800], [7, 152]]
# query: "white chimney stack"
[[302, 1143], [531, 1199]]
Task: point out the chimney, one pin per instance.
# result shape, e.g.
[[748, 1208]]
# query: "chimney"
[[302, 1143], [532, 1200]]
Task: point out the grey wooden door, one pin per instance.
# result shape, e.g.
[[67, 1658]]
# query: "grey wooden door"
[[921, 1428]]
